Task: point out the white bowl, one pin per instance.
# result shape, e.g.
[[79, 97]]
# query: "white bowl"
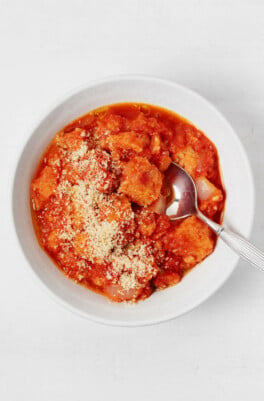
[[208, 276]]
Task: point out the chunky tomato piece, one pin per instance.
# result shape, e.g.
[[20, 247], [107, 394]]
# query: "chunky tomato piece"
[[43, 187], [141, 181]]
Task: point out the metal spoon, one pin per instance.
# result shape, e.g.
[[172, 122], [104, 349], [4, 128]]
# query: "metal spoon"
[[185, 204]]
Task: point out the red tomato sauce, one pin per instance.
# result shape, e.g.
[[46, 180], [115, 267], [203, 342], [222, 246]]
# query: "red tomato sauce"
[[98, 197]]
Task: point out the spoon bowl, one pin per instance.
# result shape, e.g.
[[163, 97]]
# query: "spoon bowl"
[[184, 203]]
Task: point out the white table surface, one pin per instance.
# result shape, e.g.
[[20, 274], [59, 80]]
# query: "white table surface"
[[215, 47]]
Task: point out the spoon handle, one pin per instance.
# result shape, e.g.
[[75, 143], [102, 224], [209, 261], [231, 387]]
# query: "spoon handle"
[[244, 248], [239, 244]]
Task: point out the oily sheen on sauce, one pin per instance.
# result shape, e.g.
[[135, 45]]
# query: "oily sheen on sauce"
[[98, 196]]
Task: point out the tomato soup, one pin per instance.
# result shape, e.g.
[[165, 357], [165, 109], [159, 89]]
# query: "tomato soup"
[[98, 197]]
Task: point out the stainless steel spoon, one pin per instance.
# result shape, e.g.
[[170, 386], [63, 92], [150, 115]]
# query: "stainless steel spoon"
[[185, 204]]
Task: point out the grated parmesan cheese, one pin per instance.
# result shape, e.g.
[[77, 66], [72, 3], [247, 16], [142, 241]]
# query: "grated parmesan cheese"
[[104, 241]]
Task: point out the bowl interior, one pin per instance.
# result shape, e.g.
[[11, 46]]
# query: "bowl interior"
[[207, 276]]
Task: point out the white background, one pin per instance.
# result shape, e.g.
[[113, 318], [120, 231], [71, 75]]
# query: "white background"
[[215, 47]]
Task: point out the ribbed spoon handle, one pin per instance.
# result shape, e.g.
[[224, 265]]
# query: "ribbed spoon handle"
[[244, 248], [239, 244]]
